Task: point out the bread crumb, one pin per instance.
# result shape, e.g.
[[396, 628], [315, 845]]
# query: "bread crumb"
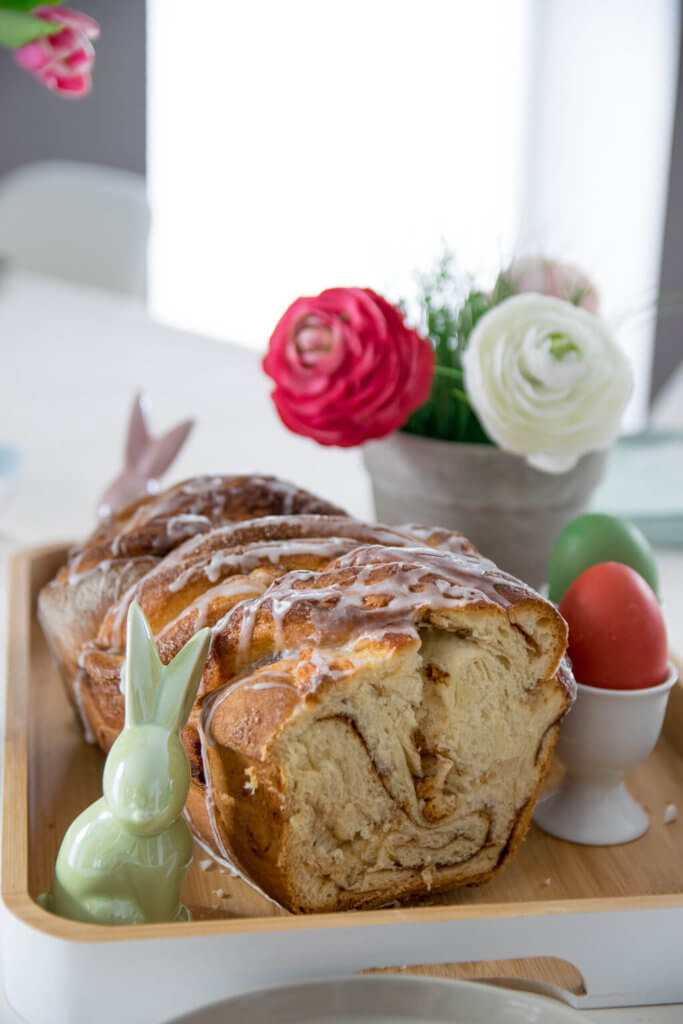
[[670, 814], [428, 877], [251, 783]]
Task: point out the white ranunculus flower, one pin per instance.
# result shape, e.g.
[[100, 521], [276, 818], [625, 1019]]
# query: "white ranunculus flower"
[[547, 380]]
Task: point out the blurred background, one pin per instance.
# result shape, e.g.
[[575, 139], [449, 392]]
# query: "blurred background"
[[284, 148]]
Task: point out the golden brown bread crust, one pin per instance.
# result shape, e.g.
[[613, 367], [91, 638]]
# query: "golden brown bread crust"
[[127, 545], [200, 581], [156, 524], [71, 607], [305, 605]]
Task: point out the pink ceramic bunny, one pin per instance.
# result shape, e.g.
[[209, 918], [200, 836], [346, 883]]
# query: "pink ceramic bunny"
[[146, 459]]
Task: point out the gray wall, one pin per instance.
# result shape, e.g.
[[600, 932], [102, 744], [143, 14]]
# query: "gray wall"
[[669, 335], [106, 128]]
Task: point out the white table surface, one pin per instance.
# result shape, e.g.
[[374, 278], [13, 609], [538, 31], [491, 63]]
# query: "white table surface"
[[71, 360]]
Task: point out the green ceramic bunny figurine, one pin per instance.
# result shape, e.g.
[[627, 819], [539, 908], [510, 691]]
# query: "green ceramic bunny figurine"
[[123, 860]]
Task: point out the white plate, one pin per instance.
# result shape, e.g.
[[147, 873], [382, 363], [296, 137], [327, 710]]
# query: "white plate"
[[386, 1000]]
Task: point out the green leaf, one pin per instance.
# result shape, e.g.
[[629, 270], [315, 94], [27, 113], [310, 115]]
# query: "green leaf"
[[17, 29], [451, 309], [25, 5]]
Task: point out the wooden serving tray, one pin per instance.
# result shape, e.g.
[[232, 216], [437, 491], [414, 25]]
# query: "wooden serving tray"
[[594, 926]]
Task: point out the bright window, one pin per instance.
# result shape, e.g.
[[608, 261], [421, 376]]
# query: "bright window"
[[302, 144]]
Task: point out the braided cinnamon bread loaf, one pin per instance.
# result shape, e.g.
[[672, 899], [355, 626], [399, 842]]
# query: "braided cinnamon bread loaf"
[[379, 705], [130, 543]]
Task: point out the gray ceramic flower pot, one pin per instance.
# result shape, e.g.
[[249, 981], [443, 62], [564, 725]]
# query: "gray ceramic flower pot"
[[509, 510]]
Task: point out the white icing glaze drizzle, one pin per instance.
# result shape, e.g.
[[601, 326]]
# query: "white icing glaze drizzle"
[[419, 579], [246, 627], [438, 538], [186, 524], [239, 586], [122, 610], [456, 567], [266, 686], [214, 495], [201, 484], [104, 566], [273, 552], [323, 666], [322, 536], [196, 506]]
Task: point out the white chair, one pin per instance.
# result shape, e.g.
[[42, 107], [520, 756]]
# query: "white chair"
[[79, 222]]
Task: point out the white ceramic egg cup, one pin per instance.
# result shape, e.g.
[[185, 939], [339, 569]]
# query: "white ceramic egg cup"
[[605, 734]]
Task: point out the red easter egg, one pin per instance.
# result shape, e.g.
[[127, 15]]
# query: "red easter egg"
[[617, 635]]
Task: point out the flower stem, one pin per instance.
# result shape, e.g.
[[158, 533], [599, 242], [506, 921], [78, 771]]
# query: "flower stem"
[[448, 371]]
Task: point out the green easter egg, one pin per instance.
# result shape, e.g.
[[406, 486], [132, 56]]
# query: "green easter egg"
[[594, 538]]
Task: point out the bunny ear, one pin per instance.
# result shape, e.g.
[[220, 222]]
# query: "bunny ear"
[[161, 451], [180, 681], [143, 668], [138, 437]]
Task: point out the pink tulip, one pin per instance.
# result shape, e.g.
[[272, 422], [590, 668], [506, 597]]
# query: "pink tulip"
[[62, 62]]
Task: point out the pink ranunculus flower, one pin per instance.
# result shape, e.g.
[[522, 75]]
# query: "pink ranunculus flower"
[[62, 62], [346, 367], [550, 277]]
